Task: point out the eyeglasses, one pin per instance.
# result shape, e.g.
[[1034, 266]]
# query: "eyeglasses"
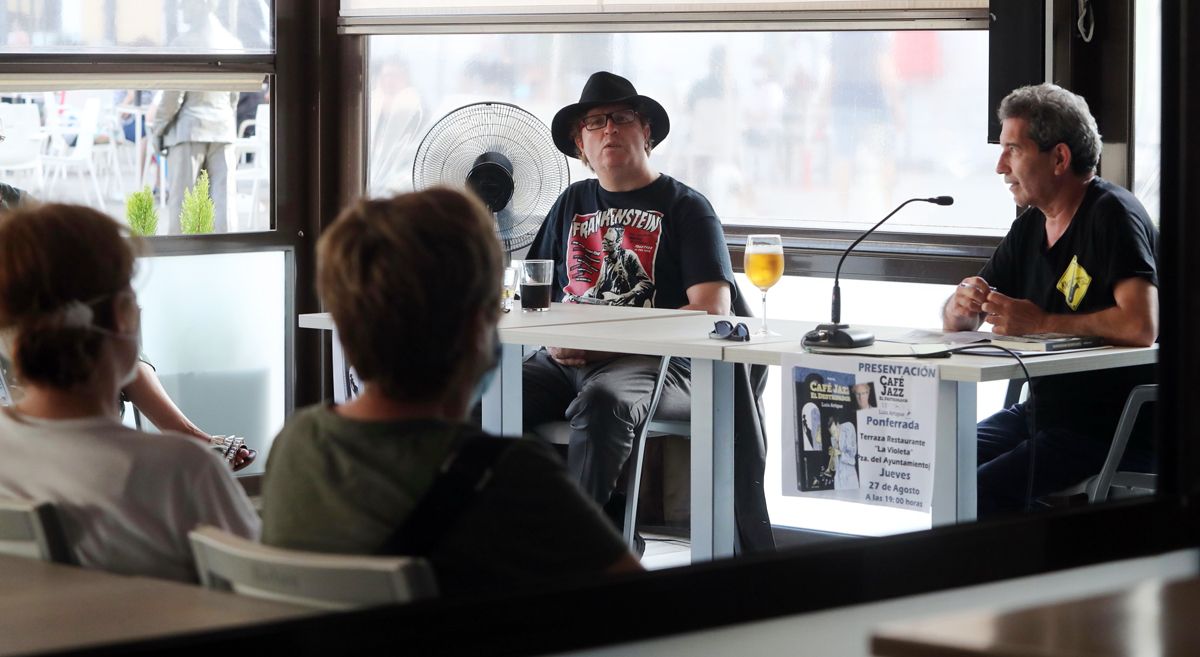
[[726, 330], [619, 117]]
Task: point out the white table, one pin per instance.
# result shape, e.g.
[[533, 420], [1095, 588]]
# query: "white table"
[[954, 493], [713, 528], [502, 400]]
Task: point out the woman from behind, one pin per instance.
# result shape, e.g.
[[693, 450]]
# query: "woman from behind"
[[413, 285], [70, 322]]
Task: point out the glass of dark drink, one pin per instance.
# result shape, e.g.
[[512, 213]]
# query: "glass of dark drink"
[[536, 277]]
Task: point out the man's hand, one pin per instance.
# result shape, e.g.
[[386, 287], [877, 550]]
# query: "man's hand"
[[1009, 316], [576, 357], [964, 307]]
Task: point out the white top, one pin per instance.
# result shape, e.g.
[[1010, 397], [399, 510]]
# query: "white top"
[[126, 499]]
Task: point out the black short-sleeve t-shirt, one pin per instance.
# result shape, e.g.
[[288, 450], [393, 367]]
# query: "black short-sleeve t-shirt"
[[644, 247], [1110, 239]]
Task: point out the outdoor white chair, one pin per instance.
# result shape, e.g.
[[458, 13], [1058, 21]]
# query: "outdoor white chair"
[[78, 157], [253, 156], [31, 530], [21, 149], [326, 581]]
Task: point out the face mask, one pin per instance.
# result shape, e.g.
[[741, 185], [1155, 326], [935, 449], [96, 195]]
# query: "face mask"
[[489, 375]]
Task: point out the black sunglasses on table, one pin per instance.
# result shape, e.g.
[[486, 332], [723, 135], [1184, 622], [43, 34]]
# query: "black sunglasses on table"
[[726, 330]]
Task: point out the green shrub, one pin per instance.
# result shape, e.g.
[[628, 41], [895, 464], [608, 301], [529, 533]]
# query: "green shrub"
[[197, 214], [142, 213]]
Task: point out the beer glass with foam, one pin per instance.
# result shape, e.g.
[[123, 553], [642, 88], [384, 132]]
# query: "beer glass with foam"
[[764, 268]]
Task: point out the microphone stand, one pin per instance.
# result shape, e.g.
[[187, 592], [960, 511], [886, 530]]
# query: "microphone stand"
[[835, 333]]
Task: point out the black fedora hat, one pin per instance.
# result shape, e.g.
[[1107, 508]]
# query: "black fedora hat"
[[604, 88]]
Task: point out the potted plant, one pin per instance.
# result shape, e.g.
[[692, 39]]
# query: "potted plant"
[[198, 212], [142, 213]]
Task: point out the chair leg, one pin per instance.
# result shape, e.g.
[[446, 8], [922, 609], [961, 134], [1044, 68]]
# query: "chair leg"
[[638, 456]]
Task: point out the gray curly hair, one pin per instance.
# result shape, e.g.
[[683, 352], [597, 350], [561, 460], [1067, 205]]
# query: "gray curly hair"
[[1056, 116]]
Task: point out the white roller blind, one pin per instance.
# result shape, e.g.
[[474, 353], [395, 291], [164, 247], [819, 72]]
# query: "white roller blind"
[[501, 16], [400, 8], [27, 82]]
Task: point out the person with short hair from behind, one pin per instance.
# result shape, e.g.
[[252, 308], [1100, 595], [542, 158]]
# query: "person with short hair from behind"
[[413, 284], [70, 320]]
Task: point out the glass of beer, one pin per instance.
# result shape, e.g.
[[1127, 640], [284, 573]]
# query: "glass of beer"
[[536, 278], [764, 268]]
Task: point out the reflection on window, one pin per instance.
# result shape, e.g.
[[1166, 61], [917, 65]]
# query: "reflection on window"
[[1147, 104], [133, 26], [818, 129], [100, 148]]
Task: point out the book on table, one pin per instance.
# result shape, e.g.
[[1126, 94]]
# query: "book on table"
[[1047, 342]]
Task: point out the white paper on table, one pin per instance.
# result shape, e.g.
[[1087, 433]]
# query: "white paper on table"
[[926, 336]]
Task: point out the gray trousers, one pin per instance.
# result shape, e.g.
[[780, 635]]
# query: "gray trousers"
[[184, 162], [603, 402]]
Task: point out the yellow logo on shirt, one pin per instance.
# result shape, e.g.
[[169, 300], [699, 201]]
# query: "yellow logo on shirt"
[[1074, 283]]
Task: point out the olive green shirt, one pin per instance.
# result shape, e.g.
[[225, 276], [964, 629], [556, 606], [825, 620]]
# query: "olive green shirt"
[[345, 486]]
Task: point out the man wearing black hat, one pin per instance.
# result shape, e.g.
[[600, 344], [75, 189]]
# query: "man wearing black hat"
[[676, 237]]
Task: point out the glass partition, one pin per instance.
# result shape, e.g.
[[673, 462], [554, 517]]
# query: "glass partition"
[[187, 27], [214, 328]]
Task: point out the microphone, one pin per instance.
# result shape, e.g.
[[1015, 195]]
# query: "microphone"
[[842, 336]]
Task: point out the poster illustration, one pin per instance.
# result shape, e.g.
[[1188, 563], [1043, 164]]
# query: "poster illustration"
[[859, 430], [610, 257]]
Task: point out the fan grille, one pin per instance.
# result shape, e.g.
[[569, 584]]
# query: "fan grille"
[[449, 149]]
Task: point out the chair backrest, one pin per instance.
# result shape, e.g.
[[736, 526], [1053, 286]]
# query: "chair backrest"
[[31, 529], [326, 581], [1110, 478], [22, 146]]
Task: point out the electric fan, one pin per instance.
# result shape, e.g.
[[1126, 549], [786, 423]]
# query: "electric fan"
[[505, 155]]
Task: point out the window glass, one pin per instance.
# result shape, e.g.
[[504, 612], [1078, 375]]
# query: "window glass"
[[1147, 104], [213, 326], [137, 26], [815, 129], [99, 147]]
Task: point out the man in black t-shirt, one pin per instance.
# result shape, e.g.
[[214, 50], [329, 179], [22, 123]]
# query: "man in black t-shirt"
[[651, 223], [1081, 259]]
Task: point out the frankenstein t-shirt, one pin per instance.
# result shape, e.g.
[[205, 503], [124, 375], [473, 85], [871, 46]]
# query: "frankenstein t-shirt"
[[1110, 239], [339, 485], [644, 247]]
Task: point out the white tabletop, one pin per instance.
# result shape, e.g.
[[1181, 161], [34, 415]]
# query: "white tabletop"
[[670, 335], [558, 315], [959, 367]]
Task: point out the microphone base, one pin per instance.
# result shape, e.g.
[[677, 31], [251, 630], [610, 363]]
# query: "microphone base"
[[838, 336]]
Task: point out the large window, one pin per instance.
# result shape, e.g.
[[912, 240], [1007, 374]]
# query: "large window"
[[99, 147], [108, 104], [785, 129], [137, 26]]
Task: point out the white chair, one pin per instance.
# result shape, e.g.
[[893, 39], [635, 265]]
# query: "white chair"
[[326, 581], [253, 156], [21, 149], [558, 433], [31, 530], [79, 156]]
